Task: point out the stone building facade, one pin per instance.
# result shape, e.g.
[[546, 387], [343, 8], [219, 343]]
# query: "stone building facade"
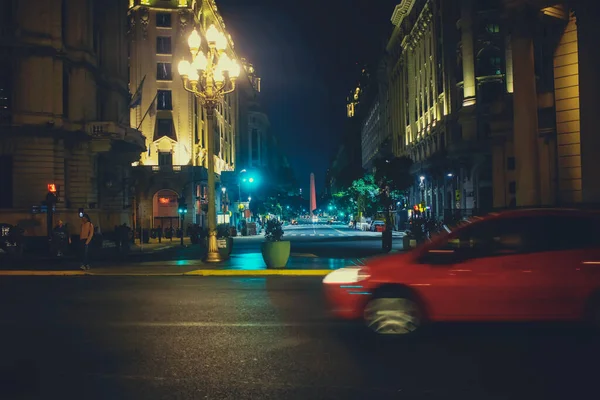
[[488, 103], [174, 121], [64, 112]]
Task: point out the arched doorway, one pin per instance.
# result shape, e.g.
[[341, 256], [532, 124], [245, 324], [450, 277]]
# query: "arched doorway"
[[164, 209]]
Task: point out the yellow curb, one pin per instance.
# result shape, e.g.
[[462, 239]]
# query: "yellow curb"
[[42, 273], [307, 255], [259, 272]]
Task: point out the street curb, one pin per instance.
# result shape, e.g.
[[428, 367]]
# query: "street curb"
[[41, 273], [259, 272], [305, 255], [199, 272]]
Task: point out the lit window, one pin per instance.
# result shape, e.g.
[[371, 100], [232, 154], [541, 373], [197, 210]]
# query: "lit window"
[[493, 28]]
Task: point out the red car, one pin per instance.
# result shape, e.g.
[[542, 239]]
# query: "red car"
[[525, 265]]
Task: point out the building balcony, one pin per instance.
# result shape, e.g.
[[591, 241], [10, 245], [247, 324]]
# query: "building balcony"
[[198, 171], [115, 131]]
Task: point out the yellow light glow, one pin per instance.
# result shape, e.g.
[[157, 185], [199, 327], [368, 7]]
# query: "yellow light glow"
[[221, 42], [184, 68], [194, 41], [183, 3], [219, 77], [224, 63], [193, 76], [212, 34], [235, 70], [200, 62]]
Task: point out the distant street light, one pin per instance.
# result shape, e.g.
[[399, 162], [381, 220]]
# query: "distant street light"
[[209, 77]]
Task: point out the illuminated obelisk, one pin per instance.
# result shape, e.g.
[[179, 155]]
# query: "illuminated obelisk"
[[313, 194]]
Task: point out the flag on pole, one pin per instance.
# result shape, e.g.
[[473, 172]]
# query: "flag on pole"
[[151, 110], [136, 99]]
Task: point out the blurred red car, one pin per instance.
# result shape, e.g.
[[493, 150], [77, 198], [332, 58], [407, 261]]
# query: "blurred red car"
[[525, 265]]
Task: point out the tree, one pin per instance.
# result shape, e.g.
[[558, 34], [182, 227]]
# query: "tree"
[[365, 192], [393, 178]]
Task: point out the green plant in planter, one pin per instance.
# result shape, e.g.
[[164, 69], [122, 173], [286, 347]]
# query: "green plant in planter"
[[274, 231], [275, 251]]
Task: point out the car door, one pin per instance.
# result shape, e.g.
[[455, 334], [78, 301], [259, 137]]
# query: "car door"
[[547, 265], [464, 275]]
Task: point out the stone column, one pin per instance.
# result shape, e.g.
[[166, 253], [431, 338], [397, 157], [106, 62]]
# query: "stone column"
[[467, 116], [525, 109], [468, 58], [588, 32]]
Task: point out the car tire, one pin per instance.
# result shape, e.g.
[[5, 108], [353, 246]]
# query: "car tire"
[[393, 314]]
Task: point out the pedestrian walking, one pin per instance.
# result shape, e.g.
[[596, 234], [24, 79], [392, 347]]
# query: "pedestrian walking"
[[61, 238], [85, 238]]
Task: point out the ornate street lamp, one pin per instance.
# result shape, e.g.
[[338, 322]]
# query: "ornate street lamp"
[[210, 77]]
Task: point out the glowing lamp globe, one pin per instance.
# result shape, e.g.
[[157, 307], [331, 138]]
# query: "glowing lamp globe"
[[194, 41], [184, 68]]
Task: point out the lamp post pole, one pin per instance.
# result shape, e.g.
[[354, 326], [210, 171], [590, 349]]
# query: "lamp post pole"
[[210, 77]]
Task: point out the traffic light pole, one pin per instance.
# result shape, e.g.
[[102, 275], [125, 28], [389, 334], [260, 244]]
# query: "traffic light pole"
[[181, 216]]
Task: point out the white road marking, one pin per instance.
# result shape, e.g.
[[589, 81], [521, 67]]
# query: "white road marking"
[[304, 234], [312, 234], [331, 234], [340, 232], [321, 234]]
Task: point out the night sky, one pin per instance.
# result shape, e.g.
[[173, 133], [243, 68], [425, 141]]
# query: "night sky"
[[307, 53]]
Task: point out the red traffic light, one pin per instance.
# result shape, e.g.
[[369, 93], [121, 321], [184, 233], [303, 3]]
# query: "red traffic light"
[[52, 188]]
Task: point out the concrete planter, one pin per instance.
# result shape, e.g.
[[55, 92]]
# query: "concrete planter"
[[225, 246], [276, 254]]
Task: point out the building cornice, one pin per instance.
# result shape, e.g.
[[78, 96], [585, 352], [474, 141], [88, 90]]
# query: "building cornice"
[[421, 26], [401, 11]]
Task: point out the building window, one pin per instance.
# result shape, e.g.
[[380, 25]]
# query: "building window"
[[489, 62], [163, 72], [163, 20], [493, 28], [163, 45], [164, 127], [164, 100], [512, 187], [510, 164], [165, 158], [6, 177]]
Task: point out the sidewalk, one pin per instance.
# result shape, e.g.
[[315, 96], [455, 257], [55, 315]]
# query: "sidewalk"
[[246, 260]]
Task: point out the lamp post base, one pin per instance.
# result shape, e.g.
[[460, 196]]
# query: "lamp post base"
[[214, 257]]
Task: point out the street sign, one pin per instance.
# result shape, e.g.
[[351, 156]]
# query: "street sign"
[[41, 209]]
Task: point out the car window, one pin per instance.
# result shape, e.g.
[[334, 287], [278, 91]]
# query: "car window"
[[497, 237], [571, 233]]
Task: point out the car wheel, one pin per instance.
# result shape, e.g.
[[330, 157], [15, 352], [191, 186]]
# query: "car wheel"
[[393, 315]]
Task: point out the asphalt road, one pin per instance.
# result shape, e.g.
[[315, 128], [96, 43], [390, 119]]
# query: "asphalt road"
[[256, 338], [330, 241]]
